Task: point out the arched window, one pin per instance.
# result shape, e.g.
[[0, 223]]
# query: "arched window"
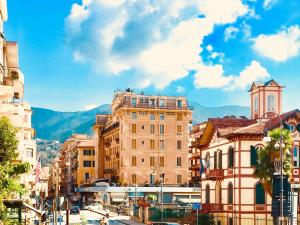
[[230, 157], [259, 194], [271, 103], [256, 104], [230, 193], [220, 159], [207, 194]]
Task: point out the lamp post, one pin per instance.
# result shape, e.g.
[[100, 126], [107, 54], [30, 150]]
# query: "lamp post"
[[279, 146]]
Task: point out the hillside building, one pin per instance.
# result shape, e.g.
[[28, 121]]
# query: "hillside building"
[[144, 140], [228, 149]]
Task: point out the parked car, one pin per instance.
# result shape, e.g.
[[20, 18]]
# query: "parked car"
[[75, 210], [93, 206]]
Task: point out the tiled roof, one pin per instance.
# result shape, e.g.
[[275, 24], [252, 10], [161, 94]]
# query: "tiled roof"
[[86, 143], [275, 122], [230, 122]]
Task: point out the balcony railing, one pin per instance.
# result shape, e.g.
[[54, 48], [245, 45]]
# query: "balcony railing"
[[215, 174], [194, 167], [212, 207], [151, 106], [109, 171]]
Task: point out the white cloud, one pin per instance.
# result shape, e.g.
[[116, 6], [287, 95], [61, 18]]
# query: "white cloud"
[[254, 72], [230, 33], [280, 46], [267, 4], [160, 40], [209, 48], [90, 106], [180, 89], [212, 76]]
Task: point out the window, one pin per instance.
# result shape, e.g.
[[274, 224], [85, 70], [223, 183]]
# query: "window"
[[93, 152], [230, 157], [29, 152], [152, 116], [256, 104], [178, 162], [133, 101], [86, 176], [133, 161], [93, 163], [271, 103], [207, 160], [87, 163], [253, 156], [133, 143], [161, 161], [152, 161], [133, 115], [230, 193], [133, 179], [259, 194], [230, 221], [161, 144], [179, 144], [161, 116], [207, 194], [152, 178], [179, 103], [152, 144], [87, 152], [179, 129], [152, 102], [161, 129], [152, 128], [296, 156], [161, 102], [179, 178], [220, 159], [133, 128]]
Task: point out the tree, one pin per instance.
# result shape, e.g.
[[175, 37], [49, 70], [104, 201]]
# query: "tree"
[[206, 219], [266, 157], [10, 171]]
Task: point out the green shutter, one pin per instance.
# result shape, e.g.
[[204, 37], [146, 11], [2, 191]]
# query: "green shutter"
[[259, 194], [253, 156]]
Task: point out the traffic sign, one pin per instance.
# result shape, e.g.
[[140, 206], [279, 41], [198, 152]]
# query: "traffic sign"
[[196, 206]]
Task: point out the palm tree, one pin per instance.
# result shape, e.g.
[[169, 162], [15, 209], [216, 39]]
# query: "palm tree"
[[266, 157]]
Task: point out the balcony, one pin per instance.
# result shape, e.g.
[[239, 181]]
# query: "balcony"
[[194, 167], [110, 171], [212, 207], [127, 104], [215, 174]]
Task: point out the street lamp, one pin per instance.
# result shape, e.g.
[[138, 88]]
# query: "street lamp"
[[279, 145]]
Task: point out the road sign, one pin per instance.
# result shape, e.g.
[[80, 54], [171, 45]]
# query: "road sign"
[[196, 206]]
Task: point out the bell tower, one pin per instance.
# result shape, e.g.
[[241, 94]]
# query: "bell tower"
[[266, 99]]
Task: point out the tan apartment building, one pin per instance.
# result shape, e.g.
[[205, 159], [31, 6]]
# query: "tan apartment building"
[[77, 162], [11, 99], [228, 150], [145, 139], [54, 179]]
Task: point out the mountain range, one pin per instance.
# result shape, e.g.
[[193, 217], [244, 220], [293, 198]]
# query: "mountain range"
[[55, 125]]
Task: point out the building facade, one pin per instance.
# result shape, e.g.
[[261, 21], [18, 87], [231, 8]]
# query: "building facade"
[[228, 149], [144, 140], [11, 100]]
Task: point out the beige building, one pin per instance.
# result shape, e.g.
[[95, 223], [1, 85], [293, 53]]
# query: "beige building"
[[11, 99], [54, 179], [77, 162], [228, 149], [144, 139]]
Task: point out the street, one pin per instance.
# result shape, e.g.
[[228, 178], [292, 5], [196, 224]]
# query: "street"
[[88, 217]]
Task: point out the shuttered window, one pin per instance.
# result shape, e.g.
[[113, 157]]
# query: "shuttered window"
[[253, 156], [259, 194]]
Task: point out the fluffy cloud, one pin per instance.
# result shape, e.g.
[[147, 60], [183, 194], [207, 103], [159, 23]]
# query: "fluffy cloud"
[[280, 46], [230, 33], [267, 4], [180, 89], [212, 76], [160, 40]]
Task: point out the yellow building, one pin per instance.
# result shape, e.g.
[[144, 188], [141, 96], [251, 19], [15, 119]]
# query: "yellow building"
[[77, 162], [144, 140]]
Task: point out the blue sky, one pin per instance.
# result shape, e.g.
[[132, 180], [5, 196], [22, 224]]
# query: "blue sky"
[[74, 54]]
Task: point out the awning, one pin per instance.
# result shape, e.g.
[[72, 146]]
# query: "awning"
[[118, 200], [187, 200], [118, 197]]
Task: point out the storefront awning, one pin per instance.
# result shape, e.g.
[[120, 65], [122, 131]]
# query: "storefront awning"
[[187, 200]]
